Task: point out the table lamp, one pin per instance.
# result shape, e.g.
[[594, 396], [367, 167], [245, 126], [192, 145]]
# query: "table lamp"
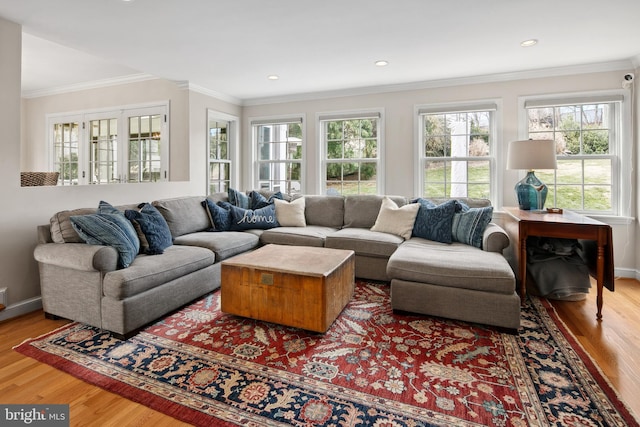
[[531, 154]]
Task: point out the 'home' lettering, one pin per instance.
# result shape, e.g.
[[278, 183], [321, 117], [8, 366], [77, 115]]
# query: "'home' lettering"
[[254, 219]]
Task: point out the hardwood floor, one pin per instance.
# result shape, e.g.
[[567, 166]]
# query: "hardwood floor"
[[613, 343]]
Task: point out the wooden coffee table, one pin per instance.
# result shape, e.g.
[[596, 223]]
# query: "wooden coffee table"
[[299, 286]]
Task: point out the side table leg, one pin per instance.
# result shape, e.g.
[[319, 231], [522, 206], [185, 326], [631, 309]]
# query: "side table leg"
[[600, 280], [522, 267]]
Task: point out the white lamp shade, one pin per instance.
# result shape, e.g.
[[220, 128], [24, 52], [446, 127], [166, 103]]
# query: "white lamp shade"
[[532, 154]]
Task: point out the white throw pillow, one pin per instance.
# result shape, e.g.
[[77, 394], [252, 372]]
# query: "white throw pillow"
[[290, 214], [394, 220]]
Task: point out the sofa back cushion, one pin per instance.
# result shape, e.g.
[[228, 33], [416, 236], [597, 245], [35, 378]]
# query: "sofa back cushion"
[[361, 210], [469, 201], [325, 211], [184, 214], [62, 230]]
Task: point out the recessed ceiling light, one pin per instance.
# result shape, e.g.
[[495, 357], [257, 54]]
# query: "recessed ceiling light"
[[381, 63], [529, 43], [273, 77]]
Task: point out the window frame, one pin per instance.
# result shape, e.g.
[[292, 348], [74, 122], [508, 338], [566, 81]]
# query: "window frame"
[[232, 147], [372, 113], [494, 106], [122, 114], [256, 162], [620, 151]]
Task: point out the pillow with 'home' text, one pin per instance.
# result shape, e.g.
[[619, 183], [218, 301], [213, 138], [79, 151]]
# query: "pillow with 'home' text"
[[248, 219]]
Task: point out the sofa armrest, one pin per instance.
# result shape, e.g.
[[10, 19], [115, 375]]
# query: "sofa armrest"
[[495, 239], [77, 256]]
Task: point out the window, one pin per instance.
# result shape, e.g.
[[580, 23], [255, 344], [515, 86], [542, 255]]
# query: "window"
[[219, 156], [279, 145], [351, 146], [455, 151], [66, 140], [587, 135], [125, 145]]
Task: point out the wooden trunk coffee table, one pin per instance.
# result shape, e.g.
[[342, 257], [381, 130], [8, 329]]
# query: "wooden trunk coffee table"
[[299, 286]]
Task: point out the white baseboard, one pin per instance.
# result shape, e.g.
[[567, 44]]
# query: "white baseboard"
[[628, 273], [23, 307]]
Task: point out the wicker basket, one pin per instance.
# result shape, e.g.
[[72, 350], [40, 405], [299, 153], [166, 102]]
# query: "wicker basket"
[[35, 179]]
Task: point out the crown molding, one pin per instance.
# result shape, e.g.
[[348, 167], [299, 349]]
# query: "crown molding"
[[459, 81], [95, 84], [622, 65], [210, 92]]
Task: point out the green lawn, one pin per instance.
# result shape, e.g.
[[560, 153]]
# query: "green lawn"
[[597, 179]]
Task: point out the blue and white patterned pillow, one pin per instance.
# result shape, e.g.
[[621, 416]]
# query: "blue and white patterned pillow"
[[154, 232], [469, 224], [109, 227], [434, 222]]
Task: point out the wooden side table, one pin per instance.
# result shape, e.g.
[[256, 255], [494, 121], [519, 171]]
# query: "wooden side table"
[[521, 224]]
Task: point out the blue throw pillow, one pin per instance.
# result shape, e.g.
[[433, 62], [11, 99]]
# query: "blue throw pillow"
[[434, 222], [219, 214], [109, 229], [238, 198], [259, 201], [248, 219], [154, 232], [469, 224]]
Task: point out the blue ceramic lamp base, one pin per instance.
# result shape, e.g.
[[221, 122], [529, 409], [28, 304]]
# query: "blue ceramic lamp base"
[[531, 192]]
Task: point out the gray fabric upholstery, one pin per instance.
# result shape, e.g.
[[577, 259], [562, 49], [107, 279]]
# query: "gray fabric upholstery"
[[311, 235], [371, 268], [497, 309], [147, 271], [184, 215], [77, 256], [362, 210], [224, 244], [327, 211], [130, 314], [495, 239], [454, 265], [364, 242], [72, 294]]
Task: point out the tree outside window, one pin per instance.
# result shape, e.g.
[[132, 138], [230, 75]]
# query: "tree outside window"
[[352, 150]]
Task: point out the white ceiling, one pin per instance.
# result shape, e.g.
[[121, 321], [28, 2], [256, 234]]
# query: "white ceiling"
[[229, 47]]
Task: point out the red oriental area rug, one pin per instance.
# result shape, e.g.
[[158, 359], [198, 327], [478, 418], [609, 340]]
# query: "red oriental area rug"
[[373, 367]]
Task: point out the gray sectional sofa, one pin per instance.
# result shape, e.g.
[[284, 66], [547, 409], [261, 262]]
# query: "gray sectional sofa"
[[83, 282]]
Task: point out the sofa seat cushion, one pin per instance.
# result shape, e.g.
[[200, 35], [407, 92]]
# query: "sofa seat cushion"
[[150, 271], [224, 244], [455, 265], [311, 235], [364, 242]]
